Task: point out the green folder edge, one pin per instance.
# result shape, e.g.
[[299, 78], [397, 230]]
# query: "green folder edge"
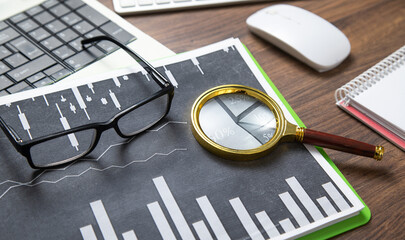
[[364, 215]]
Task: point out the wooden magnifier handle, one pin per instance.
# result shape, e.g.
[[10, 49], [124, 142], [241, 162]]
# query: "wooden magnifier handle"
[[339, 143]]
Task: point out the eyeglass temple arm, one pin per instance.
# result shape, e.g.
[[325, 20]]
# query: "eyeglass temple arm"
[[10, 132], [162, 80]]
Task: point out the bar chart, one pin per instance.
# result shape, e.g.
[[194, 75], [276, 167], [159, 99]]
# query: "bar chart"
[[296, 200]]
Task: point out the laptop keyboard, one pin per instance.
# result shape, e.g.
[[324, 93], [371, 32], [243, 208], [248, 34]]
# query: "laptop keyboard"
[[42, 45]]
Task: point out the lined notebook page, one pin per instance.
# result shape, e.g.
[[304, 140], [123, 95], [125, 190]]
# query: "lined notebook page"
[[386, 99]]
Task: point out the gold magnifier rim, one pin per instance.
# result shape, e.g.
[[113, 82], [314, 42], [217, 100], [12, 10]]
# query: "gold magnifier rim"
[[229, 153]]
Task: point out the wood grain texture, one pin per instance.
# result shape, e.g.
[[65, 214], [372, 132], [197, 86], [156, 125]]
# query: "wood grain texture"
[[375, 28]]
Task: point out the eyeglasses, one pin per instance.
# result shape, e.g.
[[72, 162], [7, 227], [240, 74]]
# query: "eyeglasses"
[[50, 151]]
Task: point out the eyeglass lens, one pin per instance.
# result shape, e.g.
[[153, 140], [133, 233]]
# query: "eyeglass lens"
[[63, 148]]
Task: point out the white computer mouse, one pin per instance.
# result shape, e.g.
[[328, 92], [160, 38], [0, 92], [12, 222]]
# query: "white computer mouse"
[[304, 35]]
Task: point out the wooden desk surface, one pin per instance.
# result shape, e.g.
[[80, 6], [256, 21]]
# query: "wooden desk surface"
[[375, 28]]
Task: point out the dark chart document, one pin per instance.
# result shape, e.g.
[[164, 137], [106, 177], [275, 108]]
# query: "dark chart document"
[[160, 184]]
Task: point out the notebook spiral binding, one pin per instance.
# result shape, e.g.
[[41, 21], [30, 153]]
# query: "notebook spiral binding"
[[365, 80]]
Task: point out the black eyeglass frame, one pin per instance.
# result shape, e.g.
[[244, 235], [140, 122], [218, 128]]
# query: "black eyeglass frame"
[[167, 89]]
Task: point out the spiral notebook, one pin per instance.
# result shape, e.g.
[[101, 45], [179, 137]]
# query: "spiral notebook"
[[377, 97]]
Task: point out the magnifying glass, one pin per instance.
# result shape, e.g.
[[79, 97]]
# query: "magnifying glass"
[[242, 123]]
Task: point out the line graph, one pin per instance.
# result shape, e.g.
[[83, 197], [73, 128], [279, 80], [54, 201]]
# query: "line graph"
[[33, 183], [30, 184]]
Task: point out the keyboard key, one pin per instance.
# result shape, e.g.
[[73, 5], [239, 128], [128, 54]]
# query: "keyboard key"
[[74, 4], [7, 35], [63, 52], [11, 47], [51, 43], [3, 25], [5, 82], [90, 13], [60, 74], [107, 46], [49, 3], [18, 17], [71, 19], [44, 17], [127, 3], [31, 67], [3, 68], [21, 86], [39, 34], [162, 1], [3, 93], [115, 31], [145, 2], [55, 26], [76, 44], [59, 10], [36, 77], [27, 25], [34, 10], [94, 33], [83, 58], [16, 60], [27, 48], [83, 27], [53, 69], [43, 82], [67, 35], [4, 52]]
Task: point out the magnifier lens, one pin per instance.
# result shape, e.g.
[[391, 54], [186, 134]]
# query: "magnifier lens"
[[237, 121]]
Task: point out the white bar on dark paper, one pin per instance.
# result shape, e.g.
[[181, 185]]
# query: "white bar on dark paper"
[[65, 123], [173, 208], [336, 197], [212, 218], [202, 230], [161, 221], [23, 119], [197, 64], [115, 100], [66, 126], [91, 87], [287, 225], [294, 209], [103, 220], [304, 198], [46, 100], [245, 219], [88, 233], [170, 77], [130, 235], [79, 98], [116, 82], [326, 206], [267, 224]]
